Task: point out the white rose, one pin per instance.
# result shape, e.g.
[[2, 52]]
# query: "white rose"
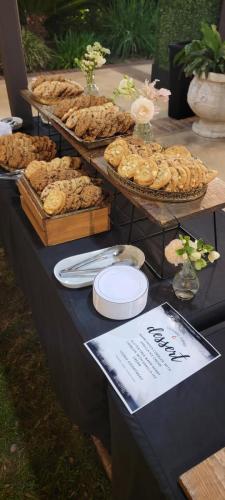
[[142, 110], [171, 252], [213, 256]]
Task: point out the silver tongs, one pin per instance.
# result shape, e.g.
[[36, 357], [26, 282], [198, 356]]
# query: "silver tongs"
[[105, 254], [93, 271]]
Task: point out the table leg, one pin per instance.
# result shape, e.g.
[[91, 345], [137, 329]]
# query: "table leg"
[[131, 224], [163, 254], [215, 230]]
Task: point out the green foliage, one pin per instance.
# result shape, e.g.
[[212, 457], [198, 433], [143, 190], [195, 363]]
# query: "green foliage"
[[70, 46], [180, 20], [205, 55], [49, 7], [129, 27], [37, 54], [51, 459]]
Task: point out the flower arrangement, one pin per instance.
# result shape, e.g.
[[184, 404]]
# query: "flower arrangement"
[[147, 98], [93, 58], [144, 105], [178, 251], [126, 88]]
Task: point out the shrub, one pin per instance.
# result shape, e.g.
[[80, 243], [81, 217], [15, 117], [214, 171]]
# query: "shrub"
[[205, 55], [129, 27], [180, 20], [37, 54], [69, 46]]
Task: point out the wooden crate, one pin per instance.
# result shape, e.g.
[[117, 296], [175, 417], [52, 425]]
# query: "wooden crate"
[[65, 227]]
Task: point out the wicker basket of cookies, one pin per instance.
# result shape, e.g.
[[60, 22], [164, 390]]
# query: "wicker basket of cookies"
[[62, 201], [169, 174], [18, 150]]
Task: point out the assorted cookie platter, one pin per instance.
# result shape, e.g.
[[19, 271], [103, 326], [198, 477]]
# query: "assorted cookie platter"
[[90, 120], [163, 174], [18, 150]]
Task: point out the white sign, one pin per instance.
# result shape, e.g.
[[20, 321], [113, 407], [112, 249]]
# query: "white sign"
[[149, 355]]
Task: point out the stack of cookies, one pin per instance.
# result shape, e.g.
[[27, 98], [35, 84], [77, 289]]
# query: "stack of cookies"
[[18, 150], [63, 185], [171, 169], [51, 89], [63, 196], [67, 106], [42, 173], [98, 122]]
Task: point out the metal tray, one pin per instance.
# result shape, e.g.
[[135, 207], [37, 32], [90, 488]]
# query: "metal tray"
[[47, 110], [156, 195]]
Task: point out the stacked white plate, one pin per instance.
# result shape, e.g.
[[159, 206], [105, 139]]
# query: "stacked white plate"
[[120, 292]]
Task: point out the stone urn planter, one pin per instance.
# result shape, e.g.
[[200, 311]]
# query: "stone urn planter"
[[206, 97]]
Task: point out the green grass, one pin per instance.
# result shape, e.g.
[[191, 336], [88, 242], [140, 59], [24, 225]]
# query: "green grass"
[[42, 455]]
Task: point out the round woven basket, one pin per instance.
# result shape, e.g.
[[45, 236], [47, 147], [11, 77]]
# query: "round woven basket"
[[157, 195]]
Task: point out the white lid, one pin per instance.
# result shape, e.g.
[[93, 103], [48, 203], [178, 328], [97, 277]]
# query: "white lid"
[[120, 284]]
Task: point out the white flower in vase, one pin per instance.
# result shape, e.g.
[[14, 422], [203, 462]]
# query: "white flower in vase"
[[142, 110], [92, 59]]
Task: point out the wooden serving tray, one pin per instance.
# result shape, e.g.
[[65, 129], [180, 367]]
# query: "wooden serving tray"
[[61, 228]]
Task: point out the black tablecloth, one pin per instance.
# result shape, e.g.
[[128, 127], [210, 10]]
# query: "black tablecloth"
[[153, 447], [66, 318]]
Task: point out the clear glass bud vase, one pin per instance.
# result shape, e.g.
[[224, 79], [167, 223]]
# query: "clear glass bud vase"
[[186, 282], [91, 87], [143, 131]]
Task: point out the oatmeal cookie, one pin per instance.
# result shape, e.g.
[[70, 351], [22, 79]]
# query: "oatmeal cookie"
[[90, 196]]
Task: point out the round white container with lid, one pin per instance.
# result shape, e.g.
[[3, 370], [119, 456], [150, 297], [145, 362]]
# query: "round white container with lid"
[[120, 292]]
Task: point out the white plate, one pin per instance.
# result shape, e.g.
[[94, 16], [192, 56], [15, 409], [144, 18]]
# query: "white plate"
[[120, 292], [130, 251]]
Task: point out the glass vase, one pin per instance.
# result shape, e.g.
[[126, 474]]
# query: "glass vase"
[[91, 87], [143, 131], [186, 282]]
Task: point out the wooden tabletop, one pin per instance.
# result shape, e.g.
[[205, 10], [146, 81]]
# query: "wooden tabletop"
[[206, 481], [162, 213]]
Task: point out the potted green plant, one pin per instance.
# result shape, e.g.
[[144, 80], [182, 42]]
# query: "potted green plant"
[[205, 59]]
